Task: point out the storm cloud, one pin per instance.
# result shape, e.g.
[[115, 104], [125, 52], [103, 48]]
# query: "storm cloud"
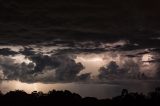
[[27, 22], [7, 52], [53, 33], [44, 69], [129, 69]]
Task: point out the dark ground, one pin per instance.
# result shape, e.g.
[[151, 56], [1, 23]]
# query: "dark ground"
[[21, 98]]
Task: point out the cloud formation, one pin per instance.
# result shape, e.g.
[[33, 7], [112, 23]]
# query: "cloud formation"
[[70, 28], [142, 66], [28, 22], [7, 52], [128, 70], [43, 68]]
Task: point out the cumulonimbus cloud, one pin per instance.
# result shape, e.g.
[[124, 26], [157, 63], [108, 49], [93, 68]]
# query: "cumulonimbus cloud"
[[61, 68]]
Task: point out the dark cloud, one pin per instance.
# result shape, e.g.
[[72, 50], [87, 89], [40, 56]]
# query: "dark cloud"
[[80, 26], [57, 68], [130, 55], [15, 71], [129, 70], [25, 22], [27, 51], [7, 52], [139, 54], [110, 71], [67, 69], [80, 50], [42, 61], [84, 77]]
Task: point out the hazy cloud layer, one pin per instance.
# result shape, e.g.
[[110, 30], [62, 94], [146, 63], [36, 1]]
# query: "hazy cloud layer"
[[28, 22]]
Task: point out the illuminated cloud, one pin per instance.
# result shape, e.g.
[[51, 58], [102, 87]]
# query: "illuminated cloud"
[[78, 62], [41, 68], [90, 41]]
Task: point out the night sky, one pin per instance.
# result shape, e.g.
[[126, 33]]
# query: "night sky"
[[50, 44]]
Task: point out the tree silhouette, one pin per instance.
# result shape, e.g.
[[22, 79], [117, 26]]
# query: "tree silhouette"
[[19, 98]]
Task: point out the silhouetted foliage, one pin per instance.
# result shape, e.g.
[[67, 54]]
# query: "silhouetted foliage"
[[21, 98]]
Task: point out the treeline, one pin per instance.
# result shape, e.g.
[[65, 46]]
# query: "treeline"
[[54, 98]]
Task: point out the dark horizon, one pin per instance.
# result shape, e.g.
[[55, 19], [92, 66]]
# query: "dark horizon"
[[66, 97]]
